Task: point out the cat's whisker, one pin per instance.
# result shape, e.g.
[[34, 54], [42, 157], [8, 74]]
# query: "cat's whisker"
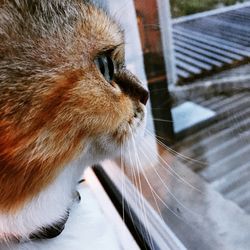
[[162, 120], [166, 186], [159, 198], [134, 179], [134, 176], [162, 163], [177, 154], [122, 166], [140, 201], [138, 164], [155, 193], [157, 136], [156, 202], [137, 180], [125, 193]]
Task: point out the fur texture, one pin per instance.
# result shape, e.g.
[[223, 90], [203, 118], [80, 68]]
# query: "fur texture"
[[56, 108], [82, 231]]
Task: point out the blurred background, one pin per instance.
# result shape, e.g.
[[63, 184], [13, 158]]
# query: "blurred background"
[[184, 8]]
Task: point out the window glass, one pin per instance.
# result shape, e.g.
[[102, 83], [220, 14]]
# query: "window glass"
[[193, 168]]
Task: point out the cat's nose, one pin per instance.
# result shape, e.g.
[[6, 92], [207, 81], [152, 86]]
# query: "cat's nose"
[[143, 96], [131, 86]]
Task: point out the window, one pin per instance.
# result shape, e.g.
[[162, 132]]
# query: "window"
[[188, 183]]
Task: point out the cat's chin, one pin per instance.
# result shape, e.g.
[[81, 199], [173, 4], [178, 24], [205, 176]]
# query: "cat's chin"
[[113, 145]]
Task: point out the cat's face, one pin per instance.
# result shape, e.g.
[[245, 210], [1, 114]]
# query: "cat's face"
[[64, 90]]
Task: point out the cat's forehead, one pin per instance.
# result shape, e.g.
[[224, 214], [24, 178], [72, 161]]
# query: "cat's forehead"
[[65, 25], [102, 32]]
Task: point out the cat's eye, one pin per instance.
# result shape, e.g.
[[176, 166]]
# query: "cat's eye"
[[106, 66]]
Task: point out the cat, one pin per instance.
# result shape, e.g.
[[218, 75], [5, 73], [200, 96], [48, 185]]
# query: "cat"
[[67, 101]]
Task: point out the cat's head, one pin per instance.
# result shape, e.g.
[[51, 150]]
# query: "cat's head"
[[64, 89]]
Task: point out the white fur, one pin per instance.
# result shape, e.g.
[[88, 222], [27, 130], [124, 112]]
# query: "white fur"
[[86, 229], [48, 207]]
